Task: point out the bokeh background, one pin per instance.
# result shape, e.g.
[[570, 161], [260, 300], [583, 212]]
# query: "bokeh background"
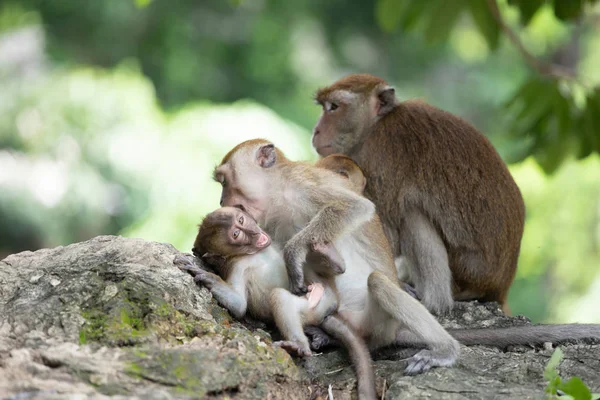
[[114, 112]]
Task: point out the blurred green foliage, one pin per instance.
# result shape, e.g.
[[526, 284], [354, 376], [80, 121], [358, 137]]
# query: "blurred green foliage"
[[113, 113]]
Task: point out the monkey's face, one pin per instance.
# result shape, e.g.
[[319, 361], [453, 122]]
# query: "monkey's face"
[[244, 177], [351, 107], [229, 232], [345, 117], [243, 233]]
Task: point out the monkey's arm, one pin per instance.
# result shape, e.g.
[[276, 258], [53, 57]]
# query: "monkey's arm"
[[343, 211], [230, 294]]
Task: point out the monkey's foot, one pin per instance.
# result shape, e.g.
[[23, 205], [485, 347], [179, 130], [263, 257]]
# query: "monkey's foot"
[[318, 338], [424, 360], [410, 290], [315, 294], [294, 348]]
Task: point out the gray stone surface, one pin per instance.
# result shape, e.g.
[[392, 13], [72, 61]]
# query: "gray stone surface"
[[112, 317]]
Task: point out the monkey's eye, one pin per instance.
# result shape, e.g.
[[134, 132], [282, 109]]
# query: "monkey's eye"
[[241, 220], [236, 234], [330, 106], [223, 182]]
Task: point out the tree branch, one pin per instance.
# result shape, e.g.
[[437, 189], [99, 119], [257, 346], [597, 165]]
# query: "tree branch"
[[548, 69]]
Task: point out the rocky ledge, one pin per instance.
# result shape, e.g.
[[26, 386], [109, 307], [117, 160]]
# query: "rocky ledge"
[[112, 317]]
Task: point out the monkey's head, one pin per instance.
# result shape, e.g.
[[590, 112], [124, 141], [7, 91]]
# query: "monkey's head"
[[351, 106], [346, 167], [245, 175], [228, 232]]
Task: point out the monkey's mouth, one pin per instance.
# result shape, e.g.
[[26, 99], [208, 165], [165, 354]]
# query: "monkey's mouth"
[[263, 240], [325, 150]]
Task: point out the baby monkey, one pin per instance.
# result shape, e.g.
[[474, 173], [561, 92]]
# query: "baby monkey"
[[252, 278]]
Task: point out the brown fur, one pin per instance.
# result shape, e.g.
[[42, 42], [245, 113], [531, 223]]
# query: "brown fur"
[[297, 203], [418, 158]]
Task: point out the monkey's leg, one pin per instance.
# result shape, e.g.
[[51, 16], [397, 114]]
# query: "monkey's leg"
[[291, 313], [330, 254], [287, 312], [443, 348], [428, 262], [232, 297]]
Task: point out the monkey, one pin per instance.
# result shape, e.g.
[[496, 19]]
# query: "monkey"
[[344, 166], [251, 277], [497, 337], [448, 203], [297, 203]]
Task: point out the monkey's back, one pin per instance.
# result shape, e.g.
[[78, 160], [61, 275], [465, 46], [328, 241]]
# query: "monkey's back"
[[446, 169]]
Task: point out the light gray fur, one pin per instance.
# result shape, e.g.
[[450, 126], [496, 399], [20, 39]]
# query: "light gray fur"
[[427, 262]]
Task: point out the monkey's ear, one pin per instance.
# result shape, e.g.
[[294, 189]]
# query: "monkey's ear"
[[387, 101], [214, 260], [267, 156]]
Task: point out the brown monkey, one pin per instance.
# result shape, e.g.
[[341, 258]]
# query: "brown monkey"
[[297, 204], [447, 200], [252, 278]]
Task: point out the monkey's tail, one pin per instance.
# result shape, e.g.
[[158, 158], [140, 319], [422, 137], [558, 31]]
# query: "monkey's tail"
[[359, 354], [528, 334]]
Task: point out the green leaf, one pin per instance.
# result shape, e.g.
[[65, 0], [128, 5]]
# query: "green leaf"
[[142, 3], [388, 13], [551, 370], [576, 388], [443, 20], [567, 9], [485, 21], [527, 8], [413, 12], [595, 396]]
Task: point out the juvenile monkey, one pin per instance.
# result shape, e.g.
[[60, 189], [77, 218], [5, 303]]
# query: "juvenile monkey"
[[447, 200], [252, 278], [298, 204]]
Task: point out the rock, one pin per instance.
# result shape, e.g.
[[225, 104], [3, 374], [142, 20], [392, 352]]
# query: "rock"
[[112, 317]]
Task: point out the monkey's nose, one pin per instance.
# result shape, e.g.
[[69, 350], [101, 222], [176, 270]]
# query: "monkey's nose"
[[221, 203], [316, 131]]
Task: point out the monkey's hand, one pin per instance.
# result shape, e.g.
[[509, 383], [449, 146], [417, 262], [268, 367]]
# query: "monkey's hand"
[[294, 254], [318, 338], [410, 290], [186, 263]]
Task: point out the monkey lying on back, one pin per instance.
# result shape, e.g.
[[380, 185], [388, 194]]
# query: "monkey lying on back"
[[252, 278]]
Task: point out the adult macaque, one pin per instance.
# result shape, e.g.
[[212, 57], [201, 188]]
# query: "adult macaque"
[[447, 201], [252, 278], [298, 204], [502, 337]]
